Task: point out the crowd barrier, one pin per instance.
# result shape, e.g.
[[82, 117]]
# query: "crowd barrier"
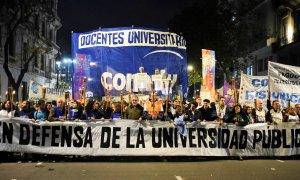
[[148, 138]]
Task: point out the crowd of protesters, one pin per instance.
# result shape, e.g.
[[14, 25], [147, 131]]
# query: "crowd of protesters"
[[154, 108]]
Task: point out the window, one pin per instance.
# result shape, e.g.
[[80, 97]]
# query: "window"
[[43, 62], [265, 65], [36, 23], [53, 66], [0, 37], [260, 65], [44, 29], [35, 62], [49, 65], [51, 35]]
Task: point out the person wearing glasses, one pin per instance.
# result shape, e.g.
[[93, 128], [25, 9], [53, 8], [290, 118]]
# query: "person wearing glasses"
[[134, 111]]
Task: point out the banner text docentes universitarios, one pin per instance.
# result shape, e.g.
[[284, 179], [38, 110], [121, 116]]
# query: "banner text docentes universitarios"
[[127, 137], [137, 37]]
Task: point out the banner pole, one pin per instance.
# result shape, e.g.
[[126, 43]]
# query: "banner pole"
[[122, 105]]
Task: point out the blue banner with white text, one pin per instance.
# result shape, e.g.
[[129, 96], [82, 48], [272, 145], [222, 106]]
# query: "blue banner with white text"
[[129, 59]]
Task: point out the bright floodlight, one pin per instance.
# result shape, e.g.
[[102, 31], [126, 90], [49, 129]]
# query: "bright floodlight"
[[190, 67], [67, 60]]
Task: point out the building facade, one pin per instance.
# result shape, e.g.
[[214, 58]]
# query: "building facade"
[[35, 33], [275, 36]]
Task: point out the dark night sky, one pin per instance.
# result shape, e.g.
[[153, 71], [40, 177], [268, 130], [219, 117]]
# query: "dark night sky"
[[82, 16]]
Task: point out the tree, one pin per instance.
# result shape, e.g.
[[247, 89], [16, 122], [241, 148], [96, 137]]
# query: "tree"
[[216, 25], [20, 14]]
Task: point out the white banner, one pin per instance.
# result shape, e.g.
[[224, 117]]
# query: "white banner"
[[253, 87], [148, 138], [35, 92], [284, 82]]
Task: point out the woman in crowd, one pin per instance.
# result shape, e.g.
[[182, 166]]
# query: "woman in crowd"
[[76, 111], [8, 109], [106, 110], [237, 116], [116, 107], [250, 115]]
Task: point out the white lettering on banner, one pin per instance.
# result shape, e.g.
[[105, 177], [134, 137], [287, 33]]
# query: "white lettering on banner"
[[122, 79], [256, 87], [129, 137], [120, 82], [133, 37]]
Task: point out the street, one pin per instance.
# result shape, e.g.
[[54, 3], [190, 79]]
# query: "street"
[[201, 168]]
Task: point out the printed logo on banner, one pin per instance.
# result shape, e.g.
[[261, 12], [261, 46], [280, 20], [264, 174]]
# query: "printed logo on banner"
[[35, 88]]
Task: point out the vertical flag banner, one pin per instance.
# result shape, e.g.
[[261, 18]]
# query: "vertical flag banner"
[[208, 74], [111, 60], [284, 82], [253, 87], [228, 93]]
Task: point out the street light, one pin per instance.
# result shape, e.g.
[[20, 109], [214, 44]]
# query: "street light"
[[190, 69]]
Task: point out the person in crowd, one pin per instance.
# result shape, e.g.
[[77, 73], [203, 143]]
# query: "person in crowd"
[[250, 115], [51, 116], [221, 109], [40, 114], [153, 109], [291, 115], [297, 107], [259, 112], [207, 113], [193, 114], [26, 110], [48, 108], [125, 106], [93, 110], [106, 110], [8, 109], [76, 111], [274, 115], [175, 106], [134, 110], [237, 116], [116, 108], [59, 109], [89, 108], [167, 113], [199, 102], [186, 107]]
